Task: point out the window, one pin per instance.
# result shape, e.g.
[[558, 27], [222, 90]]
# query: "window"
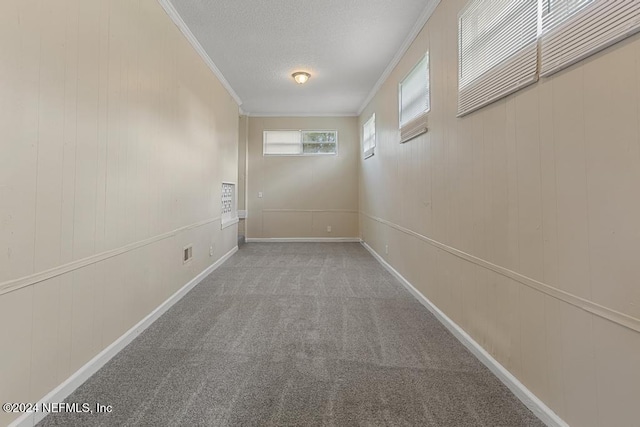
[[369, 136], [299, 142], [555, 12], [229, 211], [497, 42], [414, 103], [575, 29], [282, 142], [319, 142]]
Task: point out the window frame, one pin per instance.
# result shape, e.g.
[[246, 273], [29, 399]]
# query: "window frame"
[[558, 44], [416, 125], [368, 152], [422, 59], [513, 72], [558, 49], [482, 40], [301, 132]]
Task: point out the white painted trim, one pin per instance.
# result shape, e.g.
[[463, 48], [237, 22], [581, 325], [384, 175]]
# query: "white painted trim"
[[530, 400], [417, 27], [242, 214], [311, 210], [177, 19], [302, 239], [91, 367], [298, 114]]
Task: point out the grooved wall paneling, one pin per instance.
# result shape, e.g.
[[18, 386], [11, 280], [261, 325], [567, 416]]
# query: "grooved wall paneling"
[[540, 186], [113, 131]]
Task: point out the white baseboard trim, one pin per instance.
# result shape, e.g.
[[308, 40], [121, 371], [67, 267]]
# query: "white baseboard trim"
[[302, 239], [542, 411], [91, 367]]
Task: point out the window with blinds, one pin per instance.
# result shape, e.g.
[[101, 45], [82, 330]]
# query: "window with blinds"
[[282, 142], [575, 29], [369, 136], [414, 102], [498, 41], [497, 50], [299, 142]]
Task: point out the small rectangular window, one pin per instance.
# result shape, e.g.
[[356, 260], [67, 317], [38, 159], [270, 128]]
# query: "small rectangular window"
[[575, 29], [504, 44], [319, 142], [299, 142], [556, 12], [414, 102], [497, 42], [282, 142], [369, 137]]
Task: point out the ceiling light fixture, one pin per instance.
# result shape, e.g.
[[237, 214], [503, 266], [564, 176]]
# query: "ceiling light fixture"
[[301, 77]]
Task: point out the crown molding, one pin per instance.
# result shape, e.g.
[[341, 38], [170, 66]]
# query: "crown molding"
[[177, 19], [422, 20]]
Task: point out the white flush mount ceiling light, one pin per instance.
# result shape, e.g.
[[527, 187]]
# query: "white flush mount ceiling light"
[[301, 77]]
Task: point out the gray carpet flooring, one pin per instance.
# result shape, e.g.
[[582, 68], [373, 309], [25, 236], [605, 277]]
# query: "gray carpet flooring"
[[300, 334]]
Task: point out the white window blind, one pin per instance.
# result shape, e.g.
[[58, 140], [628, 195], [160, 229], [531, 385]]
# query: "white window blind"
[[414, 101], [575, 29], [298, 143], [369, 136], [282, 142], [497, 50]]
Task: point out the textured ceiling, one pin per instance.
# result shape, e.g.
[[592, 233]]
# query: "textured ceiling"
[[346, 45]]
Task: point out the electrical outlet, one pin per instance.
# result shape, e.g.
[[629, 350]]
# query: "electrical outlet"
[[210, 250], [187, 254], [259, 194], [328, 229], [386, 249]]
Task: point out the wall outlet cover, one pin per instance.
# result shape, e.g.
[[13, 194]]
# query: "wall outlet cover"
[[187, 254]]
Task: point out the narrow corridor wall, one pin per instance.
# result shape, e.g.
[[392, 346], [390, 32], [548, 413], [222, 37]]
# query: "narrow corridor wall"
[[114, 139], [520, 221]]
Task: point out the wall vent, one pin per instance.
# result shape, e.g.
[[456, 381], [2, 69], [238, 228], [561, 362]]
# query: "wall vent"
[[229, 205]]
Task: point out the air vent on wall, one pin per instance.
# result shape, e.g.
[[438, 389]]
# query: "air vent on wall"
[[229, 205]]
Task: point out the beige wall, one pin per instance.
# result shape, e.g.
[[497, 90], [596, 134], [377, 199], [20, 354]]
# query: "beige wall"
[[303, 194], [114, 138], [521, 221]]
